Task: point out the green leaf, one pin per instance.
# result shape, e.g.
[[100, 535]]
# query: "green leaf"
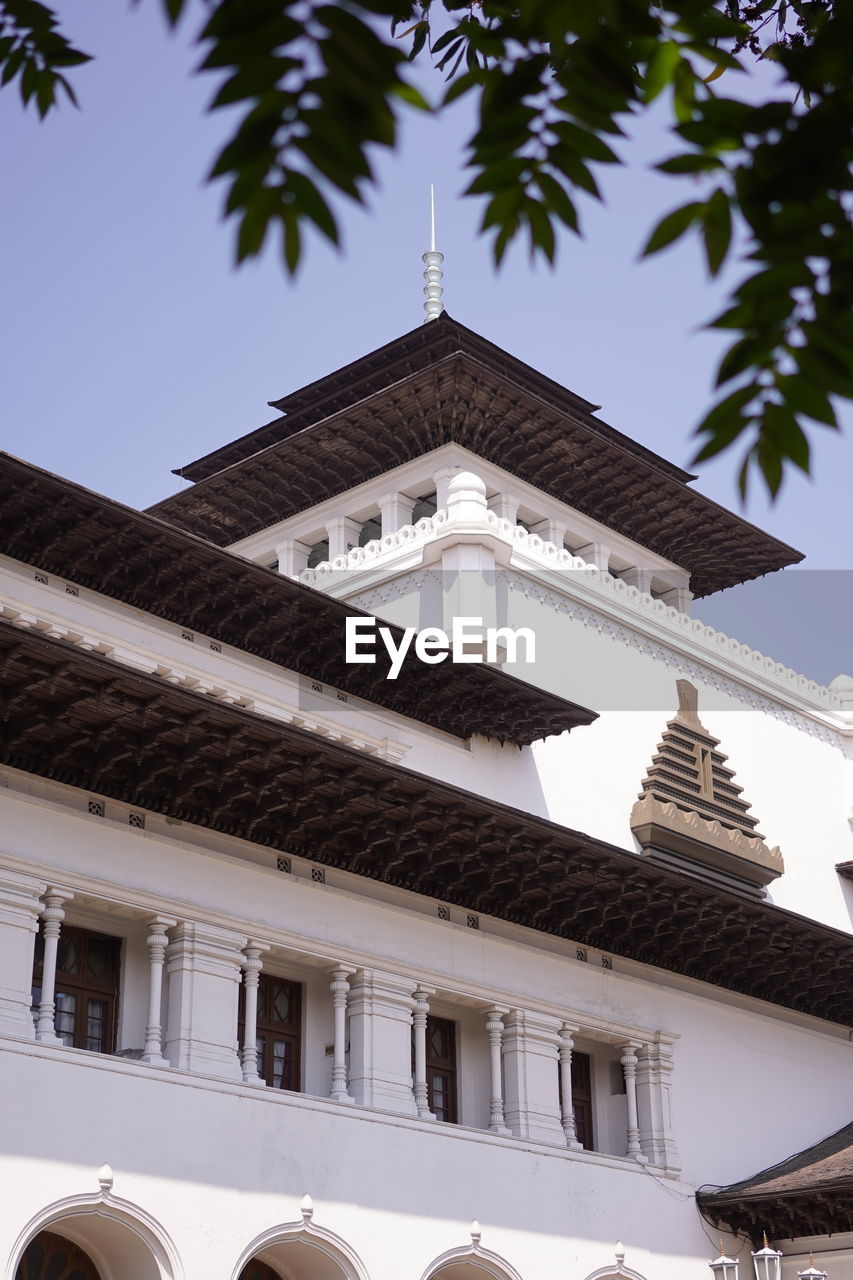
[[690, 162], [585, 142], [725, 422], [672, 227], [804, 397], [717, 229], [741, 355], [661, 68], [558, 200]]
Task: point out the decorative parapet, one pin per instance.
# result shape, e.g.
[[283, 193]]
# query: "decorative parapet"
[[381, 552]]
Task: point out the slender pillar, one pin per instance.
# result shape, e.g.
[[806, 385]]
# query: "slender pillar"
[[629, 1065], [52, 915], [595, 553], [252, 965], [343, 535], [494, 1031], [340, 989], [550, 531], [396, 511], [419, 1019], [567, 1045], [292, 557], [505, 506], [158, 940], [639, 578]]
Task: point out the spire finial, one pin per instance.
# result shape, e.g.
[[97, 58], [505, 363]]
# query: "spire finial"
[[433, 273]]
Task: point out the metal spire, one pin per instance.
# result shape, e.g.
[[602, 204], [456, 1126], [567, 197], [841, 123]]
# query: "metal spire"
[[433, 273]]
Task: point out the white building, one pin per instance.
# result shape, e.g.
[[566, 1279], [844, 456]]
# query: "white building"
[[311, 974]]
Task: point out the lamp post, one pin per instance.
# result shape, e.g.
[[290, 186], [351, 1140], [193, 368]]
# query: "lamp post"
[[767, 1262]]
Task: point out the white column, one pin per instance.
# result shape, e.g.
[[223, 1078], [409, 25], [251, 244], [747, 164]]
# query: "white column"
[[292, 557], [204, 964], [505, 506], [654, 1071], [380, 1022], [157, 940], [441, 479], [680, 598], [396, 511], [53, 915], [419, 1020], [567, 1044], [531, 1043], [595, 553], [340, 987], [550, 531], [639, 578], [494, 1032], [252, 964], [629, 1065], [20, 909], [343, 535]]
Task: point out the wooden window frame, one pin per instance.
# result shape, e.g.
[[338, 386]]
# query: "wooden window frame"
[[267, 1029], [78, 1261], [582, 1065], [447, 1067], [83, 988]]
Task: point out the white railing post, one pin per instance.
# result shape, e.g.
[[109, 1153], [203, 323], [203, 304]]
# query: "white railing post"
[[419, 1019], [567, 1045], [252, 965], [629, 1066], [158, 940], [340, 989], [494, 1031], [53, 915]]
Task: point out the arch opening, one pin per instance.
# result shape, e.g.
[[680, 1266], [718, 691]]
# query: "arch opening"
[[106, 1239]]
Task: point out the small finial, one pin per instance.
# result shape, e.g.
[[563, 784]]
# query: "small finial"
[[307, 1208], [766, 1245], [433, 274], [476, 1233], [105, 1179], [620, 1255]]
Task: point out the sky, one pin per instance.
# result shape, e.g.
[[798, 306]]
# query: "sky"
[[131, 344]]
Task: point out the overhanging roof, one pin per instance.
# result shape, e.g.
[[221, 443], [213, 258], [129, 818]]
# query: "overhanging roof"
[[809, 1194], [86, 721], [442, 383], [67, 530]]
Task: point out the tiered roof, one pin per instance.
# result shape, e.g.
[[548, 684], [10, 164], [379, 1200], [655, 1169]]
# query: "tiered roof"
[[94, 542], [441, 384]]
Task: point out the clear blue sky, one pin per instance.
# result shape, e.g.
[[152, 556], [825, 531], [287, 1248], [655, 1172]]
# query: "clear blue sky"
[[130, 344]]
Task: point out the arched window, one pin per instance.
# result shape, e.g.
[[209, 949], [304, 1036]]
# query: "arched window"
[[50, 1257], [258, 1271]]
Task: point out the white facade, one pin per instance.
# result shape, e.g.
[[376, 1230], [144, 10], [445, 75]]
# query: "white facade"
[[206, 1166]]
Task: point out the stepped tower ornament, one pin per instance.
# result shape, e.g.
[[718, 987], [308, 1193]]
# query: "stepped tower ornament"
[[691, 812], [433, 273]]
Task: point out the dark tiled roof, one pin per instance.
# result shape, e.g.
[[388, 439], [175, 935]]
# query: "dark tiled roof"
[[92, 723], [443, 384], [810, 1193], [90, 540]]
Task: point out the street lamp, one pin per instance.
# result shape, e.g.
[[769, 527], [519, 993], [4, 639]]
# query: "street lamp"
[[767, 1262]]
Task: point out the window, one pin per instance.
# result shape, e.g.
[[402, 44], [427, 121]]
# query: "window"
[[279, 1031], [582, 1098], [441, 1068], [50, 1257], [86, 999]]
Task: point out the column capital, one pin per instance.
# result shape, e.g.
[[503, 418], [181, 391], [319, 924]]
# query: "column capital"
[[339, 967]]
